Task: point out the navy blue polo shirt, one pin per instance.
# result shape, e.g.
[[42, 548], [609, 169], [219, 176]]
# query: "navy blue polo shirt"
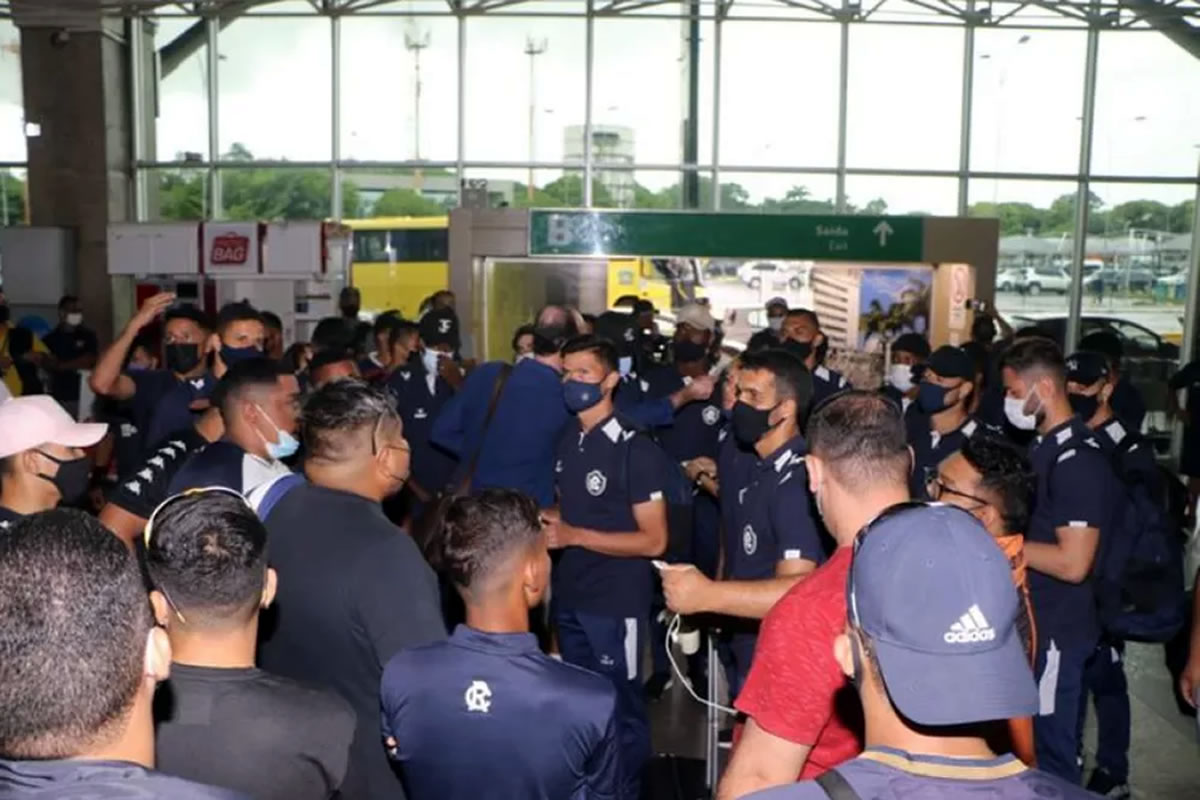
[[735, 470], [932, 448], [773, 519], [1075, 487], [418, 407], [697, 424], [826, 383], [162, 402], [635, 399], [489, 715], [602, 475], [224, 463]]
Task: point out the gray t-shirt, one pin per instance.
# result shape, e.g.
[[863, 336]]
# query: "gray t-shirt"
[[887, 774]]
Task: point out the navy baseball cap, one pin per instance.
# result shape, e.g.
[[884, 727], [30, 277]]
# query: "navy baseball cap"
[[1086, 367], [934, 594], [949, 361]]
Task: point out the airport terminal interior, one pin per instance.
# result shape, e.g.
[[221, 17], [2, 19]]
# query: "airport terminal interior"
[[897, 166]]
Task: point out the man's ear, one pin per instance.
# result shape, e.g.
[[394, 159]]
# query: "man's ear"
[[156, 665], [843, 653], [611, 380], [269, 588], [162, 609], [815, 470]]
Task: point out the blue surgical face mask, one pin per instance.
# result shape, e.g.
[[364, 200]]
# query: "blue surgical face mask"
[[287, 444], [234, 355], [580, 396]]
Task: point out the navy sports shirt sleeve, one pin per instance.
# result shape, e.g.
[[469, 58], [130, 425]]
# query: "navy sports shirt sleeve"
[[646, 479], [397, 598], [1080, 477], [603, 777], [657, 413], [448, 428], [792, 519]]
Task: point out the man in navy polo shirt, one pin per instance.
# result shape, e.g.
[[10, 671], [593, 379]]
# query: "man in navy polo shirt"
[[506, 707], [933, 649], [1076, 485], [944, 397], [772, 541], [803, 338], [613, 520]]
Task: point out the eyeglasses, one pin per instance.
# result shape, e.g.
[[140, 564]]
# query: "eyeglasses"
[[937, 488]]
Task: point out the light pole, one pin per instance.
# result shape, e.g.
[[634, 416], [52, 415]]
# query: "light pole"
[[1002, 79], [415, 41], [533, 49]]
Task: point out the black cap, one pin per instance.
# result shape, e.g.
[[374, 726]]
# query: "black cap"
[[619, 328], [951, 362], [1086, 367], [913, 343], [439, 326]]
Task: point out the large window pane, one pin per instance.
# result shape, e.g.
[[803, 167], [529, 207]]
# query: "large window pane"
[[905, 96], [871, 194], [779, 94], [651, 55], [1147, 107], [275, 90], [281, 193], [400, 192], [1028, 96], [181, 119], [12, 109], [776, 192], [13, 194], [177, 194], [380, 117], [1142, 226], [498, 96]]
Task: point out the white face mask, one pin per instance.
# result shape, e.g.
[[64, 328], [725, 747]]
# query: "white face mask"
[[75, 320], [1014, 409], [430, 359], [775, 323], [900, 377]]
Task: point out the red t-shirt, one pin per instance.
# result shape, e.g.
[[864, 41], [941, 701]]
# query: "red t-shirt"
[[796, 689]]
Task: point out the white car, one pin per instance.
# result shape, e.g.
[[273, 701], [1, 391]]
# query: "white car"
[[1034, 280], [753, 273]]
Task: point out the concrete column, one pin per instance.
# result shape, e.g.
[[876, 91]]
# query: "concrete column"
[[77, 89]]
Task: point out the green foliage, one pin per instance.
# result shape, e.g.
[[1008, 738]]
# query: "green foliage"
[[13, 205], [405, 203], [1020, 219]]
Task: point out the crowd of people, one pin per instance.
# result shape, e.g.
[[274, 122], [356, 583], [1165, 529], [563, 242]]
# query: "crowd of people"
[[364, 566]]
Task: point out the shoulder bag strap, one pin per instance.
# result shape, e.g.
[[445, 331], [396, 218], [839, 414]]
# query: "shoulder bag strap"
[[493, 404], [837, 787]]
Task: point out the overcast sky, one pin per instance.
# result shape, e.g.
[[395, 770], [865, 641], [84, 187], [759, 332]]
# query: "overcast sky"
[[778, 103]]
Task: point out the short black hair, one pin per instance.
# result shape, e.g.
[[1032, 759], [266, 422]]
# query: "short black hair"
[[860, 435], [1107, 344], [979, 356], [604, 350], [1036, 354], [481, 531], [793, 381], [983, 329], [913, 343], [271, 320], [188, 312], [324, 358], [243, 376], [208, 553], [74, 617], [1005, 472], [385, 322], [240, 311], [402, 328], [524, 330], [332, 333], [338, 414], [67, 300]]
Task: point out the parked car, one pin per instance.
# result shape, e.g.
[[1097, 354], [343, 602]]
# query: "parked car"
[[1034, 280], [1009, 279], [753, 273], [1138, 279]]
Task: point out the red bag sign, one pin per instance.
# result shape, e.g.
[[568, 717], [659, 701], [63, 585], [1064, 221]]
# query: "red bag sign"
[[230, 248]]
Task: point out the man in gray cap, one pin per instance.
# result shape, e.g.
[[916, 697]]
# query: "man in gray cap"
[[933, 649]]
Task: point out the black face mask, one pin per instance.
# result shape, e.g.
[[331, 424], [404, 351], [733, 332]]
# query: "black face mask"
[[687, 351], [801, 350], [1085, 406], [350, 312], [751, 424], [182, 358], [71, 480]]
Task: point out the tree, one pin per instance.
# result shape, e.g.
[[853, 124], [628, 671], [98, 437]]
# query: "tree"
[[405, 203], [13, 205]]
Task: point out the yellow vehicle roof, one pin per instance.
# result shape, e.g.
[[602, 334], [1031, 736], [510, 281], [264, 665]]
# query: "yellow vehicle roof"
[[397, 223]]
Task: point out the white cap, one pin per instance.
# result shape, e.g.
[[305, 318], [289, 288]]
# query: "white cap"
[[697, 316], [28, 422]]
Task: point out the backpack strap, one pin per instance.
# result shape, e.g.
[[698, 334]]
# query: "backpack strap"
[[837, 787], [502, 375], [264, 498]]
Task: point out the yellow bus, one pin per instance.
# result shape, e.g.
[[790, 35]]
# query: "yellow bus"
[[399, 261]]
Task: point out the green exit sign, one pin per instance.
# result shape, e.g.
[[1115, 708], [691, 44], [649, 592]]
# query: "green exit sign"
[[666, 234]]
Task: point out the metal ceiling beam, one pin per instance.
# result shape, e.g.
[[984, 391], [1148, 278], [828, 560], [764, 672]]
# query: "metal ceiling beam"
[[1170, 21]]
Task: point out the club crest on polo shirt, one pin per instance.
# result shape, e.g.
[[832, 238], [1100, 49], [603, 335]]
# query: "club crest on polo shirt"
[[710, 415], [478, 697], [596, 483], [971, 627], [749, 540]]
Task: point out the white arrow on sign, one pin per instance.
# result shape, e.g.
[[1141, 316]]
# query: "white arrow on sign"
[[883, 231]]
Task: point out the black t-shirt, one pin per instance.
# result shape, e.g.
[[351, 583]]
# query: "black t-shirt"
[[353, 591], [98, 780], [248, 730], [68, 344], [141, 489], [8, 518]]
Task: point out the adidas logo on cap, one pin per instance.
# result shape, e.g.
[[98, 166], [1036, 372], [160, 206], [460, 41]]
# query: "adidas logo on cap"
[[971, 627]]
